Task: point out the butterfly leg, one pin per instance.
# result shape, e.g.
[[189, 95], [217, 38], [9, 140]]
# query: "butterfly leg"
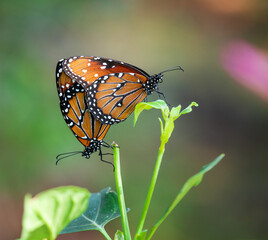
[[105, 144], [160, 94], [101, 154], [146, 99]]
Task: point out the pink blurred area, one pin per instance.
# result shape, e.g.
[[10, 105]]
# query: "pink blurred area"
[[248, 65]]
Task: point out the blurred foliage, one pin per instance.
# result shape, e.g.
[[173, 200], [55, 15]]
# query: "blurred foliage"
[[153, 35]]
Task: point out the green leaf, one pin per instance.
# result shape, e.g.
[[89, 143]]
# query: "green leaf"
[[158, 104], [161, 126], [102, 208], [197, 178], [119, 235], [189, 108], [175, 112], [46, 214], [169, 126]]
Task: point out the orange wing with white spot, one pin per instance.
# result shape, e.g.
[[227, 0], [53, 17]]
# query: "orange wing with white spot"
[[113, 88], [88, 130], [113, 97], [85, 70]]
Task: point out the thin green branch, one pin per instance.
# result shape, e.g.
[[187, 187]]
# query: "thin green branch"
[[190, 183], [151, 189], [120, 192]]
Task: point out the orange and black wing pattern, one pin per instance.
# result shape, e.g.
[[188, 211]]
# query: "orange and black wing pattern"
[[113, 97], [87, 129], [113, 87], [85, 70]]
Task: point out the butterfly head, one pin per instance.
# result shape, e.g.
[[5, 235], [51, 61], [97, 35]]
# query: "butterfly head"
[[151, 84]]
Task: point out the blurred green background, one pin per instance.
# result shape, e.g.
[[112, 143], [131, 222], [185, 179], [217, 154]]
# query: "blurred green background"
[[231, 202]]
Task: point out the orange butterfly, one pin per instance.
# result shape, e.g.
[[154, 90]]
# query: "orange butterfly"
[[113, 87]]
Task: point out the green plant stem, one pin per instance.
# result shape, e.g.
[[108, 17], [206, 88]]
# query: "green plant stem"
[[105, 234], [120, 192], [151, 188]]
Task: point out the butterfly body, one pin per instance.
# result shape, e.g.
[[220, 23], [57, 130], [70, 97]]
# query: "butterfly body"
[[95, 145]]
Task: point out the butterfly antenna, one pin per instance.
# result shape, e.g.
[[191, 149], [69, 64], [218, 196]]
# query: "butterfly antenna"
[[65, 155], [172, 69], [160, 94]]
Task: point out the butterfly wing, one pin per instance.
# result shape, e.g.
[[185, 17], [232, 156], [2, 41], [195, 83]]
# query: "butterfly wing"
[[85, 70], [75, 110], [113, 97], [120, 86]]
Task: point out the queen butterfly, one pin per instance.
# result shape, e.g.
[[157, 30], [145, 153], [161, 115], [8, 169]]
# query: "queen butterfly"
[[113, 88], [74, 107]]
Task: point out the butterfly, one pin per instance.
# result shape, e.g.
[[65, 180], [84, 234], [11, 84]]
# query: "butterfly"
[[113, 88], [74, 107]]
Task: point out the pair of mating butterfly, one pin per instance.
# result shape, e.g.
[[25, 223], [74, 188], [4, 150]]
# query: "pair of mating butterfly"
[[96, 93]]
